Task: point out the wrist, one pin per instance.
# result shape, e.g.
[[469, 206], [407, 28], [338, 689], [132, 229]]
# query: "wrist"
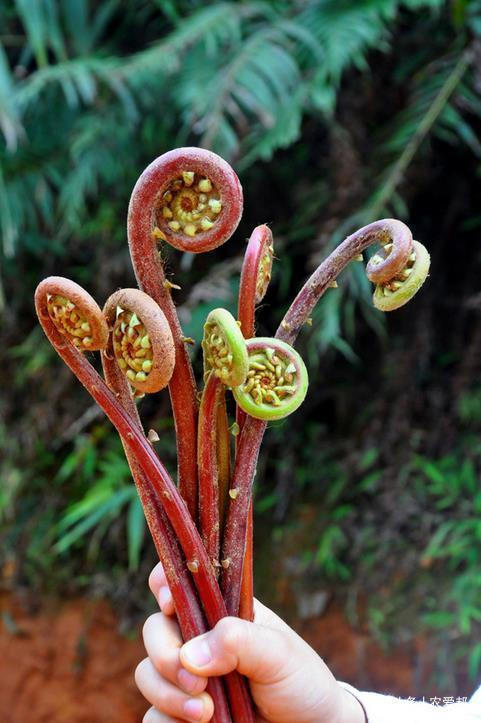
[[351, 709]]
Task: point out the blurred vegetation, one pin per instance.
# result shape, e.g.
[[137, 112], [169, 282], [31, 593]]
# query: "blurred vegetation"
[[334, 112]]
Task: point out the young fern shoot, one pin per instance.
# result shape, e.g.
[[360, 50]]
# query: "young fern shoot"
[[396, 291], [276, 386], [142, 341], [119, 359], [276, 383], [225, 364], [192, 199], [75, 314], [388, 232], [254, 281]]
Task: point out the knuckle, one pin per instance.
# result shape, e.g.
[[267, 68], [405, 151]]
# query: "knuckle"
[[160, 662], [164, 701]]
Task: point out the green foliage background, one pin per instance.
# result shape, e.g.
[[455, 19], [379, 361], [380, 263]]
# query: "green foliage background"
[[334, 113]]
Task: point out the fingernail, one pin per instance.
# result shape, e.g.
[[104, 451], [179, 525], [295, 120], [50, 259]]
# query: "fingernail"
[[164, 596], [197, 652], [194, 708], [187, 680]]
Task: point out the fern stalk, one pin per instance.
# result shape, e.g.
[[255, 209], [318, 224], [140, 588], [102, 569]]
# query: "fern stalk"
[[188, 611], [297, 315], [209, 521]]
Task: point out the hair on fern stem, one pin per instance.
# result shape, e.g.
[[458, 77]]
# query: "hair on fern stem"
[[141, 339]]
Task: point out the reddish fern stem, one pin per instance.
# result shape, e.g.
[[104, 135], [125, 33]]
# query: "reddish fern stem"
[[223, 457], [174, 505], [235, 533], [151, 278], [208, 469], [188, 611], [328, 271], [248, 290], [246, 602], [253, 431]]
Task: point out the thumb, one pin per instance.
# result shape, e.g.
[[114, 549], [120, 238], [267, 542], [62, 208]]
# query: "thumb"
[[260, 653]]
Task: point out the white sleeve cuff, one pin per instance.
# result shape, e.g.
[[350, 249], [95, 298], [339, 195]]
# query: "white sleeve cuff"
[[387, 709]]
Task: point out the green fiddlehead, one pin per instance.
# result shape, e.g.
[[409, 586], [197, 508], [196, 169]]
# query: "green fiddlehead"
[[401, 287], [224, 347], [276, 382]]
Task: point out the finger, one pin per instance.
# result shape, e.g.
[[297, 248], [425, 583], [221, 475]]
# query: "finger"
[[170, 700], [160, 589], [157, 578], [261, 653], [162, 640], [154, 716]]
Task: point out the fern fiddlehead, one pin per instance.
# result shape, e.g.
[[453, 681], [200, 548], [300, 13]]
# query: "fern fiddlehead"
[[225, 364], [75, 314], [255, 277], [141, 339], [385, 231], [225, 352], [396, 291], [197, 209], [170, 191], [119, 309], [277, 380]]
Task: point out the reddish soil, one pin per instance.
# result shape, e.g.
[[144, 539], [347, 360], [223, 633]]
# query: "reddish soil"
[[69, 664]]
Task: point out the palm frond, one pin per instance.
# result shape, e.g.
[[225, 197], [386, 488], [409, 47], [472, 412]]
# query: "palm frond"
[[9, 117], [215, 26], [42, 25]]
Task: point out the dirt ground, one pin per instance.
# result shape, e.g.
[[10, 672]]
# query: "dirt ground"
[[68, 663]]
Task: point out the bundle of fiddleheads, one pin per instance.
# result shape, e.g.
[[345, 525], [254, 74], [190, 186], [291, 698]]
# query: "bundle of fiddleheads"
[[202, 527]]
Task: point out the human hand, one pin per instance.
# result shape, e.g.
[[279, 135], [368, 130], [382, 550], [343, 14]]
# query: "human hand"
[[288, 680]]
